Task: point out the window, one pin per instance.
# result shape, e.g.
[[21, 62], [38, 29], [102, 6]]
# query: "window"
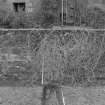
[[19, 6]]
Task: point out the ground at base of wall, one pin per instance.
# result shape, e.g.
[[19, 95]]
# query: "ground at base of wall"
[[32, 96]]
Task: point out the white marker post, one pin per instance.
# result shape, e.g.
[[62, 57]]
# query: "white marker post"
[[62, 11], [66, 10], [42, 70], [63, 98]]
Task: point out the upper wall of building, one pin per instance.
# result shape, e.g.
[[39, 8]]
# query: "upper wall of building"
[[30, 5], [95, 1], [34, 5]]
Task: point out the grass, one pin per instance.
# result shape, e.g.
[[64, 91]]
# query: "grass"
[[22, 51]]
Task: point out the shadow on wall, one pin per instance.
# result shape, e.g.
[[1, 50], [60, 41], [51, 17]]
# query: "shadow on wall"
[[17, 19]]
